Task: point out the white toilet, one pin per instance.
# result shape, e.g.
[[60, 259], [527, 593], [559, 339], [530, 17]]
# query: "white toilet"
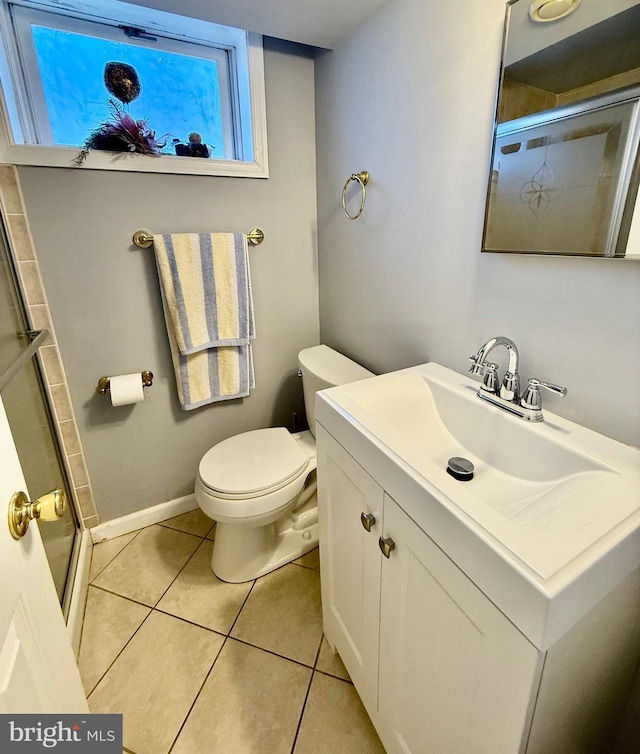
[[260, 486]]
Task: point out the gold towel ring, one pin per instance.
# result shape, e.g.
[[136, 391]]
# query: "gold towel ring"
[[362, 178]]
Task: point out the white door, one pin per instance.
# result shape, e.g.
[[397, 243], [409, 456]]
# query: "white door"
[[38, 671]]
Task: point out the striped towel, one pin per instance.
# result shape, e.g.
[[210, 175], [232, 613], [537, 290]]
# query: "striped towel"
[[206, 295]]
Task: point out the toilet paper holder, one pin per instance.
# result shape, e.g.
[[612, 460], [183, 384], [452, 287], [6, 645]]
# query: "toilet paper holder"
[[104, 383]]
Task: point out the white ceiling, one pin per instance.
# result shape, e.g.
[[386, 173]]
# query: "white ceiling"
[[321, 23]]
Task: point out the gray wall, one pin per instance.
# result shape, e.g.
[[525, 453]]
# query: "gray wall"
[[105, 300], [410, 98]]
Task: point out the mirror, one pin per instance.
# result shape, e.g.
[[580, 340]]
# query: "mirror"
[[565, 163]]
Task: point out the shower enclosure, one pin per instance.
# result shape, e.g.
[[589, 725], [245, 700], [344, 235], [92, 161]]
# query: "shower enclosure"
[[30, 419]]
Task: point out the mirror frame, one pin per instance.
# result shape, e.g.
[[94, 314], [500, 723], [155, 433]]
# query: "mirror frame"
[[627, 202]]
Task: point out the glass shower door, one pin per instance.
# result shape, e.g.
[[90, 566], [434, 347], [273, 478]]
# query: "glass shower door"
[[23, 395]]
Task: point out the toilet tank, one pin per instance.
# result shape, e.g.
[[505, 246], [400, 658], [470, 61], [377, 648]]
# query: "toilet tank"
[[322, 367]]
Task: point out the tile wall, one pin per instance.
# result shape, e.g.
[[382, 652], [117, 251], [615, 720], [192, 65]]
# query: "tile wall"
[[28, 269]]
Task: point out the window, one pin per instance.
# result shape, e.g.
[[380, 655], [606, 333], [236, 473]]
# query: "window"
[[78, 74]]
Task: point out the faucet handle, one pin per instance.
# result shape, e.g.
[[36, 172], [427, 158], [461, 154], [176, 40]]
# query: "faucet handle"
[[533, 382], [477, 365], [531, 397]]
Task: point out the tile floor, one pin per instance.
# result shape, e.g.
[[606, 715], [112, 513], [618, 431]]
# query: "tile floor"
[[199, 666]]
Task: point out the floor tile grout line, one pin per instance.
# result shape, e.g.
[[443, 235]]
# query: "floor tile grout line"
[[189, 622], [106, 565], [244, 602], [327, 672], [309, 568], [184, 531], [304, 706], [122, 596], [335, 677], [272, 652], [173, 581], [315, 662], [126, 644], [186, 717], [306, 697]]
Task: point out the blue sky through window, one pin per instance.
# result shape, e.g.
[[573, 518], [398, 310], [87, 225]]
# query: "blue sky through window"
[[179, 93]]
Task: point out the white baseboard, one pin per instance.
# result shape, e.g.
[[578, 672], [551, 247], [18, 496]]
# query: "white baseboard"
[[75, 618], [147, 516]]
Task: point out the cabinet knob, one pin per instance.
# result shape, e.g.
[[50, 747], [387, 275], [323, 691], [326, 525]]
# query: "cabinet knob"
[[368, 520], [386, 545]]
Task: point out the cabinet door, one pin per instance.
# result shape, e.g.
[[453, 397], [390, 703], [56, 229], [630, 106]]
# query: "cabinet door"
[[350, 563], [455, 675]]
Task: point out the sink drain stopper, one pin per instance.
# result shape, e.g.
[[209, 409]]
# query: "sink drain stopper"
[[460, 468]]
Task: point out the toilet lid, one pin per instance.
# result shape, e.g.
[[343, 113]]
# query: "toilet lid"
[[253, 462]]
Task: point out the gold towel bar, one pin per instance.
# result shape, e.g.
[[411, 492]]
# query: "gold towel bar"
[[144, 239]]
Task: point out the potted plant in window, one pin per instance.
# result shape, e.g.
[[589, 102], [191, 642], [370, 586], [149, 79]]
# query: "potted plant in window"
[[121, 132]]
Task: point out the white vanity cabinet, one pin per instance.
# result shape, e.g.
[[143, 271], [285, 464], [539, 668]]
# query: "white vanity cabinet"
[[439, 668], [506, 618]]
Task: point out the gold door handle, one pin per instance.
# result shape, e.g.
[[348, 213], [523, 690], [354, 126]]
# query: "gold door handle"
[[21, 511]]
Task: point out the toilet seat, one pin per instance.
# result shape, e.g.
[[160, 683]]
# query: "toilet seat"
[[252, 464], [252, 475]]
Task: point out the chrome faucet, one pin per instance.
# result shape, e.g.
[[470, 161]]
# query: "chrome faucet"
[[510, 387], [507, 394]]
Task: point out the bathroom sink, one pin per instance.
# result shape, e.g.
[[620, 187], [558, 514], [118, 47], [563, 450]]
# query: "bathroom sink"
[[551, 498], [430, 416]]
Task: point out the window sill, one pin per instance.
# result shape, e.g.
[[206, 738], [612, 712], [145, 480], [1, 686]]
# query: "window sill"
[[63, 157]]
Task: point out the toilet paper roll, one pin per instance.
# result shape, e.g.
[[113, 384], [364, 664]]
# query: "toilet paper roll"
[[126, 389]]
